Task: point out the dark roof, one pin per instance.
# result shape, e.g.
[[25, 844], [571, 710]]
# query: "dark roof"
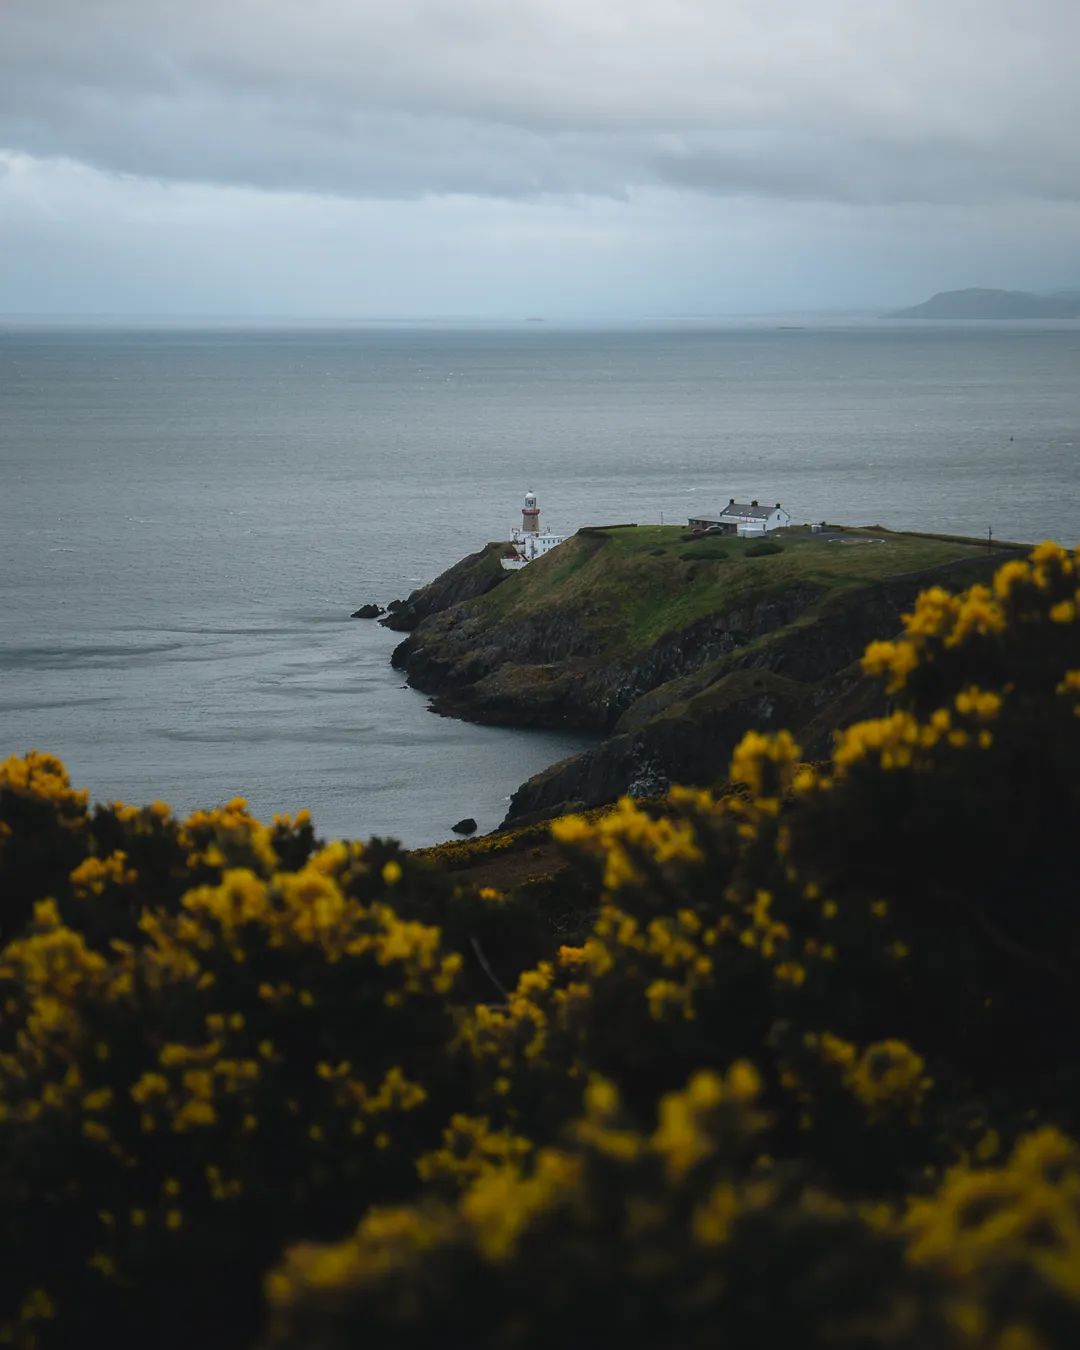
[[745, 512]]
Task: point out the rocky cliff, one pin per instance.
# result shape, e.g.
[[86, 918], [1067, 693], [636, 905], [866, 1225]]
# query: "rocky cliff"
[[671, 647], [466, 580]]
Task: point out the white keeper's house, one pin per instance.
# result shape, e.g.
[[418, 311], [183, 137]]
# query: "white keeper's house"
[[744, 518]]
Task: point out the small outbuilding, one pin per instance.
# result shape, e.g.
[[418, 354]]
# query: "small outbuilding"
[[743, 518]]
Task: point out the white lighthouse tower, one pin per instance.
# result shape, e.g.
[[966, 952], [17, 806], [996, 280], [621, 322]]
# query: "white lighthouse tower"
[[528, 539]]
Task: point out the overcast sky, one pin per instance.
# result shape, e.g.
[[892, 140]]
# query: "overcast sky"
[[508, 158]]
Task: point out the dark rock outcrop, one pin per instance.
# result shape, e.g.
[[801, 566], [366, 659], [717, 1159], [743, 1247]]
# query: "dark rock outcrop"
[[465, 826], [367, 612], [466, 580], [687, 746], [548, 670]]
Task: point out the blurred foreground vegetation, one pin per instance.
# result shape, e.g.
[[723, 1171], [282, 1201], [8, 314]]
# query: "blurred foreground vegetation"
[[792, 1066]]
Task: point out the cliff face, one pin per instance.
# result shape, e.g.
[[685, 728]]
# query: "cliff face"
[[672, 647], [466, 580], [547, 670]]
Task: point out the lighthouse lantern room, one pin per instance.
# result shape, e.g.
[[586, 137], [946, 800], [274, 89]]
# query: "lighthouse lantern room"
[[529, 540]]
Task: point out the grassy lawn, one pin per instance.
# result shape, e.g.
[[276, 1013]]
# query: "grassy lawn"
[[634, 585]]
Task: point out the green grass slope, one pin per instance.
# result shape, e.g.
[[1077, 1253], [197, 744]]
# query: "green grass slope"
[[634, 586]]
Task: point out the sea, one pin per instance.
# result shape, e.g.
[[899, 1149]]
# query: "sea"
[[188, 515]]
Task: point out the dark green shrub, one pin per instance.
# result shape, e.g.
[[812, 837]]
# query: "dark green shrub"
[[705, 550], [762, 548]]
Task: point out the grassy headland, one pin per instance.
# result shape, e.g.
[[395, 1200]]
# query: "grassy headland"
[[672, 645], [633, 586]]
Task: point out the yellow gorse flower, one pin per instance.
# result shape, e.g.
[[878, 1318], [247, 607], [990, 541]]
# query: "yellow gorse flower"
[[627, 838], [886, 1077], [45, 777], [502, 1202], [470, 1146], [93, 874], [759, 757], [684, 1136], [942, 620], [1024, 1215], [894, 660], [979, 703], [599, 1128]]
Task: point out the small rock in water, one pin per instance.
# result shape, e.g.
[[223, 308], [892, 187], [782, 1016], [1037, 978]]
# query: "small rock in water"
[[367, 612], [466, 826]]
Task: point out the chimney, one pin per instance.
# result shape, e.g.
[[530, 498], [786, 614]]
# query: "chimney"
[[731, 501], [754, 502], [778, 506]]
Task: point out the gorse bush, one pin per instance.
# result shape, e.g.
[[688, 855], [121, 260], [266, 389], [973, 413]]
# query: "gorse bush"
[[687, 1237], [808, 1076], [262, 1059], [215, 1036]]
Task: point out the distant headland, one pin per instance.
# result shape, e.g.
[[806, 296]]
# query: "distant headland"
[[978, 303]]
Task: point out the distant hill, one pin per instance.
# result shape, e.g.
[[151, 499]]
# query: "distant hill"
[[976, 303]]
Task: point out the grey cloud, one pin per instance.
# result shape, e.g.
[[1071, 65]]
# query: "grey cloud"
[[845, 100], [76, 240]]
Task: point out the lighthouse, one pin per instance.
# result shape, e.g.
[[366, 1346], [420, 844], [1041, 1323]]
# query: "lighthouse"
[[529, 540]]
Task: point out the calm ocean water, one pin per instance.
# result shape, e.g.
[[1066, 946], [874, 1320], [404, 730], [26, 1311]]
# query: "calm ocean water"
[[187, 518]]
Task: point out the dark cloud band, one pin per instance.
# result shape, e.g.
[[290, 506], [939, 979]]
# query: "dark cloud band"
[[930, 101]]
